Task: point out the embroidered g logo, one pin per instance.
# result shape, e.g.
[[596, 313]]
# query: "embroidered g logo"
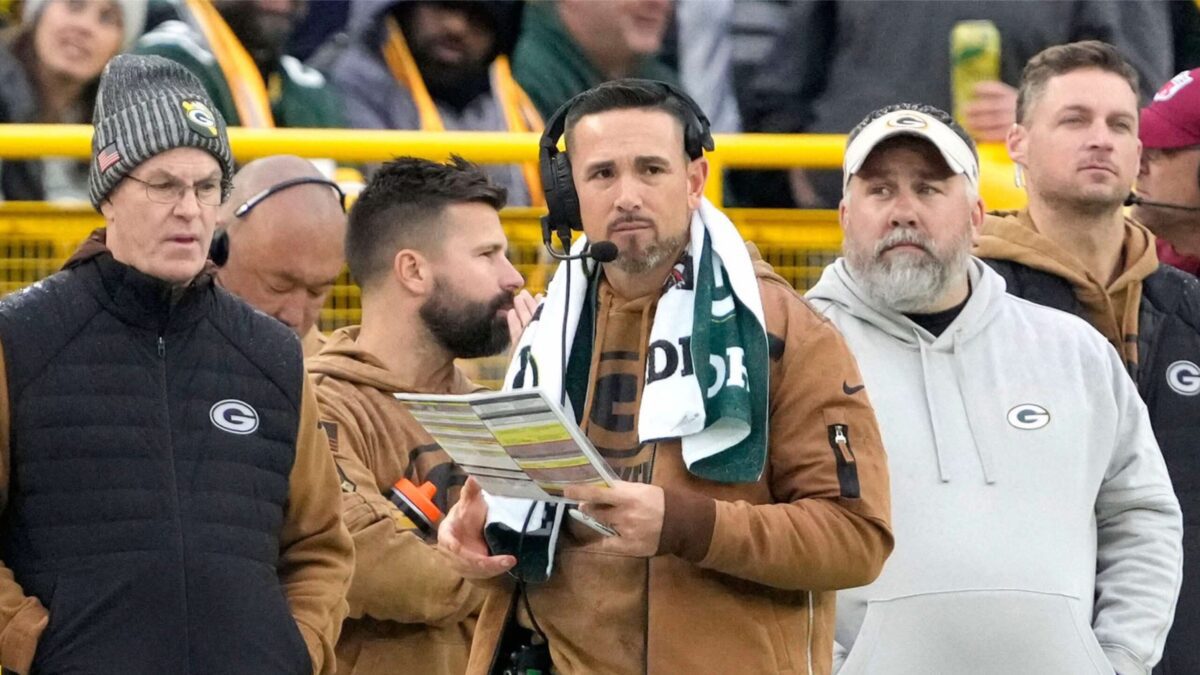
[[1184, 378], [1028, 416], [199, 118], [233, 416]]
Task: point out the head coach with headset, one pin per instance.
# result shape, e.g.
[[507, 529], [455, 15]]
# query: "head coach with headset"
[[169, 503], [753, 481]]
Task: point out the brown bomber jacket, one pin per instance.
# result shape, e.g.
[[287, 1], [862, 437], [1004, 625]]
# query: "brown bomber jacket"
[[745, 575]]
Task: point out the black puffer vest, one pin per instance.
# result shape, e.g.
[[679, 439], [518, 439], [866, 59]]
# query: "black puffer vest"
[[153, 434], [1168, 378]]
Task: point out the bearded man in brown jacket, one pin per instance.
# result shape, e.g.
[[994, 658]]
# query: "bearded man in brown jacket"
[[729, 546], [426, 246]]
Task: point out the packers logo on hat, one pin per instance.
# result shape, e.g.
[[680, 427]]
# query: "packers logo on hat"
[[199, 118], [907, 121]]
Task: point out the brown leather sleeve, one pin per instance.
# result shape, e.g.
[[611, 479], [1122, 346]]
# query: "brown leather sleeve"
[[22, 618], [829, 527], [397, 576], [316, 553]]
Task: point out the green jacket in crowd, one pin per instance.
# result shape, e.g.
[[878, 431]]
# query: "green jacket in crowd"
[[551, 67], [302, 99]]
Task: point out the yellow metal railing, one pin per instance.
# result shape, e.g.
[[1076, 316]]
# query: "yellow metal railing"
[[37, 238], [733, 151]]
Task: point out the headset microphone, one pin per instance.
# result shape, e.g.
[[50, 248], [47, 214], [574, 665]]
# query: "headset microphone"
[[1134, 200], [600, 251]]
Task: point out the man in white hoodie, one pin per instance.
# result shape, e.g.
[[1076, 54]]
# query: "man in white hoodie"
[[1036, 527]]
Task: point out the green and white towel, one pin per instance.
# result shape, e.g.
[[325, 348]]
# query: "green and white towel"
[[706, 376]]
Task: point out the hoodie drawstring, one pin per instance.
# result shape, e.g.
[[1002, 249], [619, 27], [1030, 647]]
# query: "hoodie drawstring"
[[935, 423]]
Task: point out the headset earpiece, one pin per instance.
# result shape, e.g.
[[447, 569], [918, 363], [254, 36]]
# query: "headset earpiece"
[[218, 250], [562, 201]]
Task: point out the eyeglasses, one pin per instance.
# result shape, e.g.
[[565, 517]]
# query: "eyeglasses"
[[172, 191], [242, 210]]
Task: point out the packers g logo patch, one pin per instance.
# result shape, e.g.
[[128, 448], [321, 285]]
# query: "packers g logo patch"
[[199, 118], [1184, 378], [907, 120], [234, 416], [1028, 416]]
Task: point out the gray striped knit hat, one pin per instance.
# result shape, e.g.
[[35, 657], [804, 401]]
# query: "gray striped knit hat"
[[148, 105]]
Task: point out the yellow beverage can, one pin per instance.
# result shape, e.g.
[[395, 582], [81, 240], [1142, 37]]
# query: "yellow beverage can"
[[974, 58]]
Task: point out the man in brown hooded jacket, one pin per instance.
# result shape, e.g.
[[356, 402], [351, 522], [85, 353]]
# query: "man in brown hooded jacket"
[[716, 567], [1076, 145], [425, 244]]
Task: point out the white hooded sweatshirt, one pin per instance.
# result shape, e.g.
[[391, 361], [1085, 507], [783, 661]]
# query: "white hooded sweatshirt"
[[1036, 527]]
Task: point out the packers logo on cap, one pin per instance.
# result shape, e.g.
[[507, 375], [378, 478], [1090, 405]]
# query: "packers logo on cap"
[[200, 118], [908, 121]]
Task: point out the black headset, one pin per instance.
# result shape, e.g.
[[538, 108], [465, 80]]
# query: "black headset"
[[562, 202], [218, 250]]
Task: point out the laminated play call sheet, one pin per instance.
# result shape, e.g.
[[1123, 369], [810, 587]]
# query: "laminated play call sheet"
[[515, 443]]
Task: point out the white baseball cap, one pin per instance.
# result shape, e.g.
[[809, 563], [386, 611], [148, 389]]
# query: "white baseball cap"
[[958, 155]]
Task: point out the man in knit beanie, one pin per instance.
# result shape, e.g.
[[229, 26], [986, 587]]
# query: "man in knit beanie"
[[170, 504]]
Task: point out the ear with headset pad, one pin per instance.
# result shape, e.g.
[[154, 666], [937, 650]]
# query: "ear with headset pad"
[[562, 201]]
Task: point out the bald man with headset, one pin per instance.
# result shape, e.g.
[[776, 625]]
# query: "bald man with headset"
[[280, 243]]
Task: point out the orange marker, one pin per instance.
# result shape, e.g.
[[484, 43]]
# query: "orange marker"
[[417, 504]]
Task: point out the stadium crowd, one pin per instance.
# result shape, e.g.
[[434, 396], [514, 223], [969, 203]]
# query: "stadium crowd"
[[969, 448]]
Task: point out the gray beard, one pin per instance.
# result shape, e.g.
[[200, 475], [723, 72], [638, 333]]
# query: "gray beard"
[[910, 285]]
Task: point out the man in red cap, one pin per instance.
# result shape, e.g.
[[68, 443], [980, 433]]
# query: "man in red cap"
[[1168, 185]]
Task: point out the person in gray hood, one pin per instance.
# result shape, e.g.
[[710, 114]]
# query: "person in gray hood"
[[1036, 527]]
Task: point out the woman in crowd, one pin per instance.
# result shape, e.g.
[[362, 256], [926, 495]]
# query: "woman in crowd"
[[50, 66]]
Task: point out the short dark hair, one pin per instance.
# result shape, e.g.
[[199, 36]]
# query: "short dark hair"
[[1063, 59], [402, 202], [627, 95], [936, 113]]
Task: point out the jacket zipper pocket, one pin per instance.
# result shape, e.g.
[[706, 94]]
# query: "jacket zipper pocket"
[[847, 466]]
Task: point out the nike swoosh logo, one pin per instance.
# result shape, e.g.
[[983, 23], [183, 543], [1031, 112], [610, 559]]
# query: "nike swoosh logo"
[[850, 391]]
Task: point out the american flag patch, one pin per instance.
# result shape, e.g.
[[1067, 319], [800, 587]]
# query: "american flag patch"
[[107, 157]]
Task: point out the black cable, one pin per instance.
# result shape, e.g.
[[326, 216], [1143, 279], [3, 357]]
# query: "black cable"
[[520, 576]]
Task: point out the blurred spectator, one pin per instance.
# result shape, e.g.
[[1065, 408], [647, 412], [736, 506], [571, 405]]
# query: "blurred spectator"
[[324, 20], [282, 253], [568, 46], [50, 68], [705, 59], [9, 12], [1185, 21], [836, 61], [236, 48], [1074, 249], [438, 66]]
